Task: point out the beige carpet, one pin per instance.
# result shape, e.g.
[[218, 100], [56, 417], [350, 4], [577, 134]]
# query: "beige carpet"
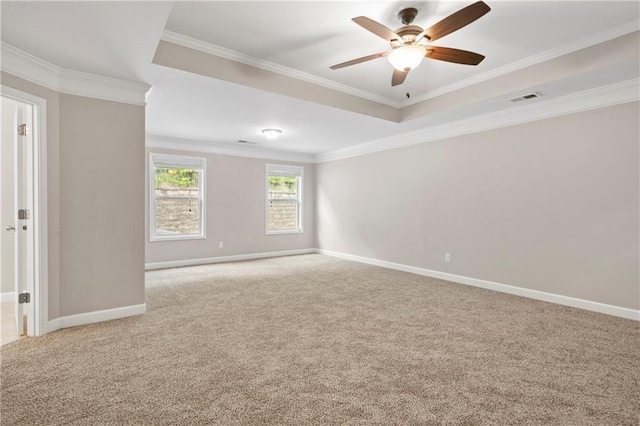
[[316, 340]]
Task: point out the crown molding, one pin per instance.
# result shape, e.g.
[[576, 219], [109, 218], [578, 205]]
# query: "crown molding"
[[215, 50], [601, 97], [222, 52], [179, 144], [28, 67], [33, 69], [530, 61]]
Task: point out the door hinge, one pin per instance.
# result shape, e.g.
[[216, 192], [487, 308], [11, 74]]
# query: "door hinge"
[[24, 214], [24, 298], [22, 130]]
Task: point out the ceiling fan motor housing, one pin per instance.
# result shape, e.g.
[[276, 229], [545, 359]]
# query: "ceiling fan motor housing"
[[409, 33]]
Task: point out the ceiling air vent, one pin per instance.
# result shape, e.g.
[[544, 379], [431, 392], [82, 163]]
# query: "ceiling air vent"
[[526, 97], [246, 142]]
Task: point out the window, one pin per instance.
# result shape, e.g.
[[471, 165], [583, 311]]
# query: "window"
[[176, 197], [284, 199]]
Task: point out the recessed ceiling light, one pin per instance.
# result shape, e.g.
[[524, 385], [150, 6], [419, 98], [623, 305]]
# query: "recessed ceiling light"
[[271, 133]]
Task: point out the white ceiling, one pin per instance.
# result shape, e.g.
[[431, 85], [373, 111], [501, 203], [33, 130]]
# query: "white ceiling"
[[312, 36], [119, 39]]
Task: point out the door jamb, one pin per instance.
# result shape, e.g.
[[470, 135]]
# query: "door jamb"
[[40, 253]]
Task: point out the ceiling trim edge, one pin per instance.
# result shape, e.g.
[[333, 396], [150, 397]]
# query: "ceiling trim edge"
[[33, 69], [530, 61], [212, 49], [215, 50], [600, 97], [179, 144]]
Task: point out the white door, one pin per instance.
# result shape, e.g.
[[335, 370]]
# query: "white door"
[[20, 264], [23, 247]]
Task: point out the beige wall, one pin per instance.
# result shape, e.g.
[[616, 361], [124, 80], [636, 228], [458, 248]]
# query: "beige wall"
[[101, 204], [95, 250], [550, 205], [235, 197]]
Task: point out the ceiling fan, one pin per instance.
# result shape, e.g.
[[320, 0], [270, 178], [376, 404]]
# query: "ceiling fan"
[[410, 43]]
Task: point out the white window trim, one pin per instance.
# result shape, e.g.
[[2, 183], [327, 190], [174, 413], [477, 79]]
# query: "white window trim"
[[295, 170], [197, 162]]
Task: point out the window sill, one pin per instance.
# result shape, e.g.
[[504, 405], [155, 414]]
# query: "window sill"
[[285, 232], [177, 238]]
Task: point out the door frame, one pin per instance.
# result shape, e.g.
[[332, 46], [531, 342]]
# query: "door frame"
[[39, 310]]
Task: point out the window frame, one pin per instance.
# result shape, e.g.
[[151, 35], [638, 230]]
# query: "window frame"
[[299, 171], [180, 161]]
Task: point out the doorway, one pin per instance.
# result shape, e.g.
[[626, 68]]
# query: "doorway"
[[21, 257]]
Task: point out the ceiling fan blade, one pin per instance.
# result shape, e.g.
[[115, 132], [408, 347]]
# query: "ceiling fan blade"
[[398, 77], [457, 20], [360, 60], [377, 28], [454, 55]]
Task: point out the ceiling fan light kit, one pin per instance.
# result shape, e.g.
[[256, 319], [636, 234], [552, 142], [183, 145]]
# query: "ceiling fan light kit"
[[409, 44], [408, 57]]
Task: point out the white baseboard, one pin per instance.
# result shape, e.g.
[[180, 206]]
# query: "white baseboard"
[[7, 297], [503, 288], [95, 316], [220, 259], [475, 282]]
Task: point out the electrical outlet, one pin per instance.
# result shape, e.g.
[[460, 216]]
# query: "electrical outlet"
[[447, 257], [333, 241], [220, 244]]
